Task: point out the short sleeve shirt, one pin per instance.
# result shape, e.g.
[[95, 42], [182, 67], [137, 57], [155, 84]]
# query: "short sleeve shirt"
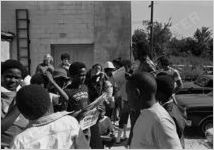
[[147, 66], [55, 131], [78, 98], [155, 129]]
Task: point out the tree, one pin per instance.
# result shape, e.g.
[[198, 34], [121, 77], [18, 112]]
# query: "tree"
[[139, 36], [202, 37], [161, 35], [201, 44]]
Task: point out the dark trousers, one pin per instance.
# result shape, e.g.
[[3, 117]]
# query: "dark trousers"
[[124, 114], [96, 141], [133, 117], [179, 119]]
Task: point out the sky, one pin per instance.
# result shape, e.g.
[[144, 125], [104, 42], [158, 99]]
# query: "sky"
[[186, 16]]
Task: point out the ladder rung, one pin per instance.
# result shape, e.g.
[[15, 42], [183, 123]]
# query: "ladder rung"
[[22, 28], [21, 9], [23, 57], [22, 19], [23, 47], [23, 38]]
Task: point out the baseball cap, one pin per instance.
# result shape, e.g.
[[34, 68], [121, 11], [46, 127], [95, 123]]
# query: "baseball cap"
[[109, 64]]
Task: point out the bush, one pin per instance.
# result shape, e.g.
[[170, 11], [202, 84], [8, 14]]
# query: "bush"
[[192, 66]]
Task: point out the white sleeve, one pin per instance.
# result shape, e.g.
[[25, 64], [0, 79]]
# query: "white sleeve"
[[166, 135], [54, 98], [16, 144]]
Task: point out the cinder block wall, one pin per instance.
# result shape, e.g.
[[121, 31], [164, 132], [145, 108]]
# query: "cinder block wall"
[[112, 30], [106, 24]]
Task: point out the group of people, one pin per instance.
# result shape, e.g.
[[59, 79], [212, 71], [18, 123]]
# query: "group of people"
[[37, 110]]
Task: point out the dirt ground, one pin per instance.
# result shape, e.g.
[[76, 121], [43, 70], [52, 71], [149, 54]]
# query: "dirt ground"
[[193, 140]]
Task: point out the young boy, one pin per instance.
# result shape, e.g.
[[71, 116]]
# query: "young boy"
[[163, 63], [12, 122], [154, 127], [106, 128], [65, 58], [77, 91], [46, 130], [165, 87]]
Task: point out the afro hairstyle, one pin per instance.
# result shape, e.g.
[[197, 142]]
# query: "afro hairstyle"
[[164, 61], [98, 65], [38, 78], [65, 56], [165, 85], [33, 101], [75, 67], [10, 64]]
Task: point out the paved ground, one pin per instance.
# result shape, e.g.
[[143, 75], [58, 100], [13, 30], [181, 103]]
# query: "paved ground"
[[193, 140]]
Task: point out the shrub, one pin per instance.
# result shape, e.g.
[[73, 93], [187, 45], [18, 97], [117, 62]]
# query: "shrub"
[[192, 66]]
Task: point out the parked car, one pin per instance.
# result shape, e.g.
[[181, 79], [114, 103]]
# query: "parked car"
[[199, 109], [209, 135], [208, 70], [202, 85]]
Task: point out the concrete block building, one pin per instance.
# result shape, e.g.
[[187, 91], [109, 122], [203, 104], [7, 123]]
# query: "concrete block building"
[[90, 31]]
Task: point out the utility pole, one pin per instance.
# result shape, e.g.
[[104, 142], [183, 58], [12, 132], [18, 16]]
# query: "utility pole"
[[151, 30]]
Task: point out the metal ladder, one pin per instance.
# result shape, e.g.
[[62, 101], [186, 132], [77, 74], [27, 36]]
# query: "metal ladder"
[[22, 37]]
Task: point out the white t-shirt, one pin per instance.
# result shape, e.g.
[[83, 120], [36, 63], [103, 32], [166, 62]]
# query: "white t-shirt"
[[56, 131], [119, 77], [155, 129]]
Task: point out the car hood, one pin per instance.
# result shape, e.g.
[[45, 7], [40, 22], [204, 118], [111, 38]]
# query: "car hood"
[[195, 100], [190, 85]]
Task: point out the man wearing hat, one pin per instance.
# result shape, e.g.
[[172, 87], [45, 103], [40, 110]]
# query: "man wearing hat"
[[108, 69]]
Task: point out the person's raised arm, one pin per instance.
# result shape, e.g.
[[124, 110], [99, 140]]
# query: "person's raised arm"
[[59, 89]]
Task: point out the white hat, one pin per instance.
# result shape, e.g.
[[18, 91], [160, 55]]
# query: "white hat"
[[109, 64]]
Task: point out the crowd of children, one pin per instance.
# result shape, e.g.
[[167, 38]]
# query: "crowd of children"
[[38, 114]]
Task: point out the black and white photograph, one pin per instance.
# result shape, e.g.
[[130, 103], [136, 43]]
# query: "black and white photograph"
[[106, 74]]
